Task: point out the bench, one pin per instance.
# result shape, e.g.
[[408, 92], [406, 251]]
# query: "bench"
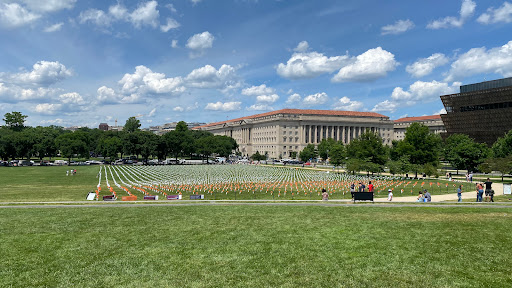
[[362, 196]]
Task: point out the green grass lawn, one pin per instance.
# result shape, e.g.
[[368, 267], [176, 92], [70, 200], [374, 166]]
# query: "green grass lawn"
[[255, 246]]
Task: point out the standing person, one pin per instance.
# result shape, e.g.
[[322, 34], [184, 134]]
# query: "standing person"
[[352, 187], [479, 192], [325, 195], [471, 177], [390, 195], [488, 190], [459, 193], [428, 197], [370, 187]]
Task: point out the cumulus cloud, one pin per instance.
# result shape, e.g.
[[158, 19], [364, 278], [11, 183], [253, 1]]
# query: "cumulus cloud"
[[43, 73], [302, 47], [480, 60], [178, 109], [146, 81], [315, 99], [219, 106], [171, 24], [372, 64], [344, 103], [146, 14], [224, 79], [53, 28], [49, 5], [260, 107], [13, 15], [72, 98], [108, 95], [174, 43], [258, 90], [303, 65], [425, 66], [400, 26], [466, 11], [502, 14], [47, 108], [267, 98], [419, 91], [199, 43], [294, 98]]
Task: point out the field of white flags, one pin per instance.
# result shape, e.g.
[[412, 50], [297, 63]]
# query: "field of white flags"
[[246, 182]]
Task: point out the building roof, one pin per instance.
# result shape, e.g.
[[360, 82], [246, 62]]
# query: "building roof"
[[300, 112], [421, 118]]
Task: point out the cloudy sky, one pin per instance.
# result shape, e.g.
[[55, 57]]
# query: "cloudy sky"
[[77, 62]]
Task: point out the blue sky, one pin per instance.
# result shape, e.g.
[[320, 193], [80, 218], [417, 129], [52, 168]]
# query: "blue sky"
[[74, 62]]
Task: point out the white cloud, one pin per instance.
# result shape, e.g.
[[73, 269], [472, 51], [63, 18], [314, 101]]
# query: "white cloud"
[[302, 47], [199, 43], [344, 103], [152, 112], [108, 95], [501, 14], [386, 106], [219, 106], [13, 15], [315, 99], [49, 5], [442, 111], [53, 28], [480, 60], [370, 65], [208, 77], [294, 98], [400, 26], [47, 108], [171, 8], [267, 98], [43, 73], [171, 24], [57, 121], [146, 14], [72, 98], [178, 109], [425, 66], [146, 81], [419, 91], [259, 107], [304, 65], [118, 11], [174, 44], [258, 90], [96, 17], [466, 11]]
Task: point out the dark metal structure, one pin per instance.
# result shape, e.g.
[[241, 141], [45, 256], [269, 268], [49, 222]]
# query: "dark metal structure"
[[482, 111]]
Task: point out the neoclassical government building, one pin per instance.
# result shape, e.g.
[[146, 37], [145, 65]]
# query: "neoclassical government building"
[[279, 133]]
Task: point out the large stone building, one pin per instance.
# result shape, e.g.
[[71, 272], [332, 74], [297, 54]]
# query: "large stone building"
[[481, 110], [433, 122], [279, 133]]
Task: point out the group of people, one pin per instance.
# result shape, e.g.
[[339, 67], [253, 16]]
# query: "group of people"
[[71, 172], [424, 196], [489, 192], [361, 187]]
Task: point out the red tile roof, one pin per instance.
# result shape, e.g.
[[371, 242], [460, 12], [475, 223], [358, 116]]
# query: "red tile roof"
[[421, 118], [300, 112]]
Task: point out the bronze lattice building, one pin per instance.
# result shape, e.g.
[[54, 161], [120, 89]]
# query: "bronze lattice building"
[[482, 111]]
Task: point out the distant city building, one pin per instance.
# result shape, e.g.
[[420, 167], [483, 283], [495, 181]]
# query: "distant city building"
[[162, 129], [103, 126], [279, 133], [72, 128], [433, 122], [483, 111]]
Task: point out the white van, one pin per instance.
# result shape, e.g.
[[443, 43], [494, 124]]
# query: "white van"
[[61, 162]]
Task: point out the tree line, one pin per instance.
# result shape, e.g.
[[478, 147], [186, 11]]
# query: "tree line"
[[18, 141], [421, 151]]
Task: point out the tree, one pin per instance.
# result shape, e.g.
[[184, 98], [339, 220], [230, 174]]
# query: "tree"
[[464, 153], [503, 146], [324, 148], [70, 144], [337, 154], [131, 125], [258, 157], [15, 120], [420, 145], [368, 147], [309, 152], [502, 165], [205, 146], [224, 145]]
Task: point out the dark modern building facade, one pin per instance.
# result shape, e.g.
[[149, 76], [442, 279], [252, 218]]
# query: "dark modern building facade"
[[482, 111]]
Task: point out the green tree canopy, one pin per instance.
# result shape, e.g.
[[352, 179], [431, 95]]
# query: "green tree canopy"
[[368, 147], [131, 125], [420, 145], [463, 152], [15, 120], [503, 146], [324, 148], [337, 154], [309, 152]]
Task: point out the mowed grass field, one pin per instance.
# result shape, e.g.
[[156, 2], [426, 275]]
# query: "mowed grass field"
[[255, 246], [47, 183]]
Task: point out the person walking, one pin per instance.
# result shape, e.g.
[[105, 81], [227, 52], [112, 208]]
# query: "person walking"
[[370, 187], [390, 195], [479, 192], [459, 193]]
